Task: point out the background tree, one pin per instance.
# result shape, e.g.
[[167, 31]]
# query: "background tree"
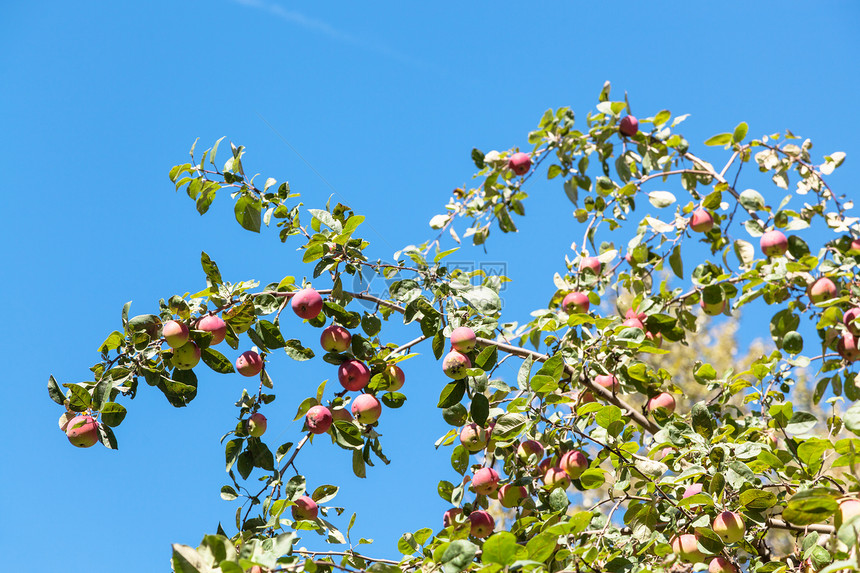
[[586, 410]]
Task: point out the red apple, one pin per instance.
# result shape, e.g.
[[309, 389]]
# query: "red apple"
[[855, 247], [463, 339], [849, 318], [395, 377], [713, 308], [305, 508], [319, 419], [256, 425], [584, 397], [249, 363], [821, 290], [633, 323], [686, 547], [662, 400], [485, 481], [511, 495], [520, 163], [455, 364], [556, 477], [213, 324], [628, 125], [847, 347], [481, 523], [175, 333], [729, 526], [307, 303], [592, 263], [335, 338], [82, 431], [608, 381], [473, 437], [574, 463], [721, 565], [701, 221], [186, 356], [575, 302], [773, 244], [530, 450], [450, 515], [366, 408], [353, 374]]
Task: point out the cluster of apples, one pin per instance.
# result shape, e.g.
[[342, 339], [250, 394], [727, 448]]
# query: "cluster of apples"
[[729, 527], [456, 362]]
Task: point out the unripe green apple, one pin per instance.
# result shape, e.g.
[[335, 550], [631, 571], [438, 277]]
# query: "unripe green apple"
[[186, 356], [82, 431], [628, 125], [530, 451], [662, 400], [318, 419], [455, 364], [575, 302], [721, 565], [335, 338], [473, 437], [574, 463], [729, 526], [591, 263], [686, 547], [821, 290], [773, 244], [485, 481], [481, 524], [712, 308], [249, 363], [463, 339], [395, 376], [366, 408], [256, 424], [353, 375], [511, 495], [849, 318], [701, 221], [520, 163], [455, 415], [305, 508], [214, 324], [307, 303], [556, 477], [175, 333]]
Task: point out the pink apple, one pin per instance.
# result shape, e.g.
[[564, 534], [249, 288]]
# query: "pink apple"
[[353, 374], [186, 356], [255, 569], [520, 163], [545, 465], [849, 318], [729, 526], [175, 333], [585, 397], [592, 263], [256, 424], [335, 338], [395, 377], [662, 400], [485, 481], [473, 437], [721, 565], [481, 524], [713, 308], [213, 324], [556, 477], [450, 515], [692, 490], [530, 448], [574, 463], [318, 419], [848, 508], [686, 547], [657, 339], [249, 363], [855, 247], [773, 244], [307, 303], [511, 495], [632, 313], [366, 408], [82, 431], [575, 302], [455, 364], [608, 381], [463, 339], [633, 323], [847, 347], [701, 221], [305, 508], [628, 125], [821, 290]]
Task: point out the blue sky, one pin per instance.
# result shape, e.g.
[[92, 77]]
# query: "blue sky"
[[383, 103]]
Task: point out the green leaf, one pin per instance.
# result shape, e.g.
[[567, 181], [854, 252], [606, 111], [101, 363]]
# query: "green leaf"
[[296, 351], [740, 132], [358, 464], [721, 139], [186, 560], [751, 200], [508, 426], [757, 500], [852, 419], [247, 211], [524, 372], [484, 299], [458, 555], [112, 342], [541, 546], [211, 269], [661, 199], [80, 399], [452, 393], [502, 548], [676, 262], [55, 392], [801, 423], [113, 414], [810, 506], [216, 361], [270, 334], [703, 424], [480, 409]]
